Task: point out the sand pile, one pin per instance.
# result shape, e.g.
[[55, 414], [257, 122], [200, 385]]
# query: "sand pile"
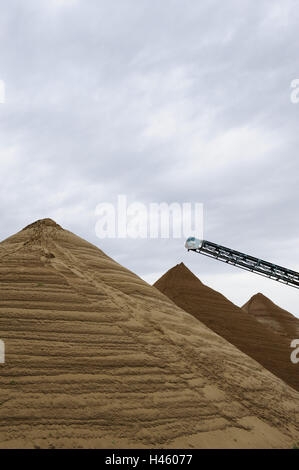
[[255, 339], [95, 357], [268, 313]]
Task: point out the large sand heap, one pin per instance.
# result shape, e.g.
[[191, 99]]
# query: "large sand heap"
[[95, 357], [271, 315], [231, 322]]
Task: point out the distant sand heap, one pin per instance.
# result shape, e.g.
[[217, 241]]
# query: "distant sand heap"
[[95, 357], [245, 331], [268, 313]]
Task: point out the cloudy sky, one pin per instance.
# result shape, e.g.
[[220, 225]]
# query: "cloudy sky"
[[162, 101]]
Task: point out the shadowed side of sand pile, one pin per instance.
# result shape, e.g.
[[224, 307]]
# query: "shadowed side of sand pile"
[[251, 336]]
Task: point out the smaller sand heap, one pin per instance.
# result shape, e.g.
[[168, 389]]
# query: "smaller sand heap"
[[271, 315]]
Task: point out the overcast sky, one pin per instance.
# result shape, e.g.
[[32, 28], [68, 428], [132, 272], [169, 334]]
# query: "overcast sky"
[[163, 101]]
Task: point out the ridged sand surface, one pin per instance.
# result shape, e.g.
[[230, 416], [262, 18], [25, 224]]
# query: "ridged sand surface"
[[95, 357]]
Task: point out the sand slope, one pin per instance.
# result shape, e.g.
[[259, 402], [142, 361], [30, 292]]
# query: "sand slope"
[[95, 357], [231, 322], [271, 315]]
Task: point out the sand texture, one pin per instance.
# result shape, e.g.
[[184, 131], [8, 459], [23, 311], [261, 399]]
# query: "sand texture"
[[95, 357]]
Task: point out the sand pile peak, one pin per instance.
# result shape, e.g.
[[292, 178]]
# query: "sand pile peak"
[[43, 223], [179, 274], [40, 234], [270, 314], [259, 296]]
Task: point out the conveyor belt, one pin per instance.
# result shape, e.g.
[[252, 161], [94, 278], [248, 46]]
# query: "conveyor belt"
[[249, 263]]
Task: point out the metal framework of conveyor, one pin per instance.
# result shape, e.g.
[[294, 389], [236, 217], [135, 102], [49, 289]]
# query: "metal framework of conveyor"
[[249, 263]]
